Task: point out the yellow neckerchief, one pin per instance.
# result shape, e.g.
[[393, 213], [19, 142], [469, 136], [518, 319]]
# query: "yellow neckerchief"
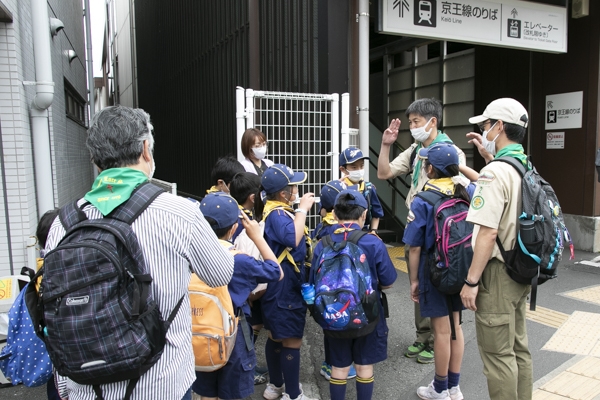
[[274, 205], [361, 184], [344, 229], [213, 189], [247, 212], [442, 185], [329, 219]]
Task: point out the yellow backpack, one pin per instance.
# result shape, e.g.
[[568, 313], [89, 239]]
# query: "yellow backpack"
[[214, 324]]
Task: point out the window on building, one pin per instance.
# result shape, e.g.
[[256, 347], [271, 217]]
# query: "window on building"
[[74, 105]]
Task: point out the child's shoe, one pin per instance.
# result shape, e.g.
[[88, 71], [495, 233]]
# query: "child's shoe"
[[301, 397], [326, 371], [455, 393], [273, 392], [428, 392], [351, 372]]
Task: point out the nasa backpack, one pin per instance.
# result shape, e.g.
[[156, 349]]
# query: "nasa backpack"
[[346, 304]]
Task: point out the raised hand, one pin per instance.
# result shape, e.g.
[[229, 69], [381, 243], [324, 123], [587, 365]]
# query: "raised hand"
[[391, 133]]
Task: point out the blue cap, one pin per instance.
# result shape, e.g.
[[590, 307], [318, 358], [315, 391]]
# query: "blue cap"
[[350, 155], [357, 198], [222, 208], [440, 155], [278, 176], [329, 192]]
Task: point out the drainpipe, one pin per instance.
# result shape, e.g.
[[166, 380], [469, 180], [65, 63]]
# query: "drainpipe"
[[44, 93], [90, 62], [363, 78]]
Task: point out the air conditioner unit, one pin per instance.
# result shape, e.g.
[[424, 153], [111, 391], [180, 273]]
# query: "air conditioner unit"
[[580, 8]]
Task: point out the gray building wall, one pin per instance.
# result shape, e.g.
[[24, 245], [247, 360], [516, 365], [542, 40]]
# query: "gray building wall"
[[71, 166]]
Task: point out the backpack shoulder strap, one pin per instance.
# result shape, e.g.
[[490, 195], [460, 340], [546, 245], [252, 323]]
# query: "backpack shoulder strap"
[[140, 199], [71, 214], [431, 196], [327, 241], [514, 162], [355, 236]]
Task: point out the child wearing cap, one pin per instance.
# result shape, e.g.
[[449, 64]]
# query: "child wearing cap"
[[352, 166], [284, 309], [350, 211], [329, 192], [441, 163], [222, 213]]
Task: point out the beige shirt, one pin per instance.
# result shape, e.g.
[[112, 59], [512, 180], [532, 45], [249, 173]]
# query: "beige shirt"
[[496, 204], [401, 165]]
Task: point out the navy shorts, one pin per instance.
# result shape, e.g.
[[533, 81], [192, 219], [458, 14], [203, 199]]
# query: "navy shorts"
[[239, 369], [283, 308], [433, 303], [365, 350]]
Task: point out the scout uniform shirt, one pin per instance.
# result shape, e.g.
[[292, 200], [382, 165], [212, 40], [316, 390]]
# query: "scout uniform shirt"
[[496, 204], [401, 165]]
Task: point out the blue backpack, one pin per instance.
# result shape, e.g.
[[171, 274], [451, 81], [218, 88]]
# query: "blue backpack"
[[346, 303], [24, 359]]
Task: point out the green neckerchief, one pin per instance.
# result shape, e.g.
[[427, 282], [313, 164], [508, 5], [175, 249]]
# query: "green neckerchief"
[[441, 137], [113, 187], [442, 185], [514, 150]]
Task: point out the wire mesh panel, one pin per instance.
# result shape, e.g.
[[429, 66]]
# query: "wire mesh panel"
[[302, 132]]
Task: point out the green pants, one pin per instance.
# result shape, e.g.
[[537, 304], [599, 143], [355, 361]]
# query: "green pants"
[[502, 334]]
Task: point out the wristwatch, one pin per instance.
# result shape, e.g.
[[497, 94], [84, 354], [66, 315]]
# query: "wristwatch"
[[373, 230], [469, 284]]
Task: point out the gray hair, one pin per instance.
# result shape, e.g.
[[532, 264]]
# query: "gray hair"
[[426, 108], [116, 136]]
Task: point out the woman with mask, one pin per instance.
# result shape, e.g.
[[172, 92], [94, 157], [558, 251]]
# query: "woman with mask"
[[254, 149], [352, 166]]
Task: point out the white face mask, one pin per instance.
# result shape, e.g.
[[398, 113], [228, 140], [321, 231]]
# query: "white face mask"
[[260, 152], [356, 176], [420, 134], [152, 169], [490, 145]]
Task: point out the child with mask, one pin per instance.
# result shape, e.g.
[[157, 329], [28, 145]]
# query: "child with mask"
[[283, 307], [352, 166]]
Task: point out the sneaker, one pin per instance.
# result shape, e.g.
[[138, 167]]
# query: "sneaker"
[[455, 393], [415, 349], [428, 392], [326, 371], [273, 392], [301, 397], [260, 378], [351, 372], [426, 356]]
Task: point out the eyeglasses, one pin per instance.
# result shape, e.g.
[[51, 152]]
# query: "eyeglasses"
[[259, 145], [482, 125]]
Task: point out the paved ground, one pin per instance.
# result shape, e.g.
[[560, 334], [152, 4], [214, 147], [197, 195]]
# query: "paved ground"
[[568, 319]]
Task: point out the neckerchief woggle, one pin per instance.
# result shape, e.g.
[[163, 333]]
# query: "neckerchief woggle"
[[113, 187], [441, 137]]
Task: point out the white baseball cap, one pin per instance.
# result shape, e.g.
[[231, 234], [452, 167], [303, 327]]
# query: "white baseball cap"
[[506, 110]]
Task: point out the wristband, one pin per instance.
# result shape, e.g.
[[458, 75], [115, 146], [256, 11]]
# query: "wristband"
[[469, 284], [300, 210], [373, 230]]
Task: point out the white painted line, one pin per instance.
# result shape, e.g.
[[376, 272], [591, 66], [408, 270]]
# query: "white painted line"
[[593, 264]]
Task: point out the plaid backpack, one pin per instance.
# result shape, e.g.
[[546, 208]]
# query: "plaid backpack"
[[451, 256], [346, 303], [97, 315], [536, 262]]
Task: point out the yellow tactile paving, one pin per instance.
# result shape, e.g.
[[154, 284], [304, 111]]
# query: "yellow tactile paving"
[[397, 256], [580, 381], [579, 334], [547, 316], [590, 294]]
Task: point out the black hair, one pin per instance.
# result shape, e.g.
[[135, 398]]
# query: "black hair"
[[426, 108], [514, 133], [259, 204], [459, 190], [243, 185], [347, 212], [225, 169], [43, 227], [220, 232]]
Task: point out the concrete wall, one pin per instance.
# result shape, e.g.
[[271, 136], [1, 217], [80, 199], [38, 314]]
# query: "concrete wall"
[[585, 231], [71, 165]]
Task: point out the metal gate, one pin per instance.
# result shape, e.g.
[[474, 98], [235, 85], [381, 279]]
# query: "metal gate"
[[303, 132]]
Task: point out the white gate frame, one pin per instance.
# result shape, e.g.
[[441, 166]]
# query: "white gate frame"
[[246, 114]]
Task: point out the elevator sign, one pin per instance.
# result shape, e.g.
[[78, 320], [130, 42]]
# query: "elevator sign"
[[507, 23]]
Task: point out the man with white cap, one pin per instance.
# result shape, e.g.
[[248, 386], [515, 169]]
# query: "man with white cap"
[[498, 301]]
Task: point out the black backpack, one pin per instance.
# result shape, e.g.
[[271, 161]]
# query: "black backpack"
[[98, 318], [535, 262]]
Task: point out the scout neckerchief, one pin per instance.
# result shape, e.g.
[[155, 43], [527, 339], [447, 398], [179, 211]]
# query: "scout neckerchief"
[[514, 150], [441, 137], [442, 185], [280, 205], [348, 182], [247, 212], [329, 219], [113, 187], [344, 229], [213, 189], [228, 245]]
